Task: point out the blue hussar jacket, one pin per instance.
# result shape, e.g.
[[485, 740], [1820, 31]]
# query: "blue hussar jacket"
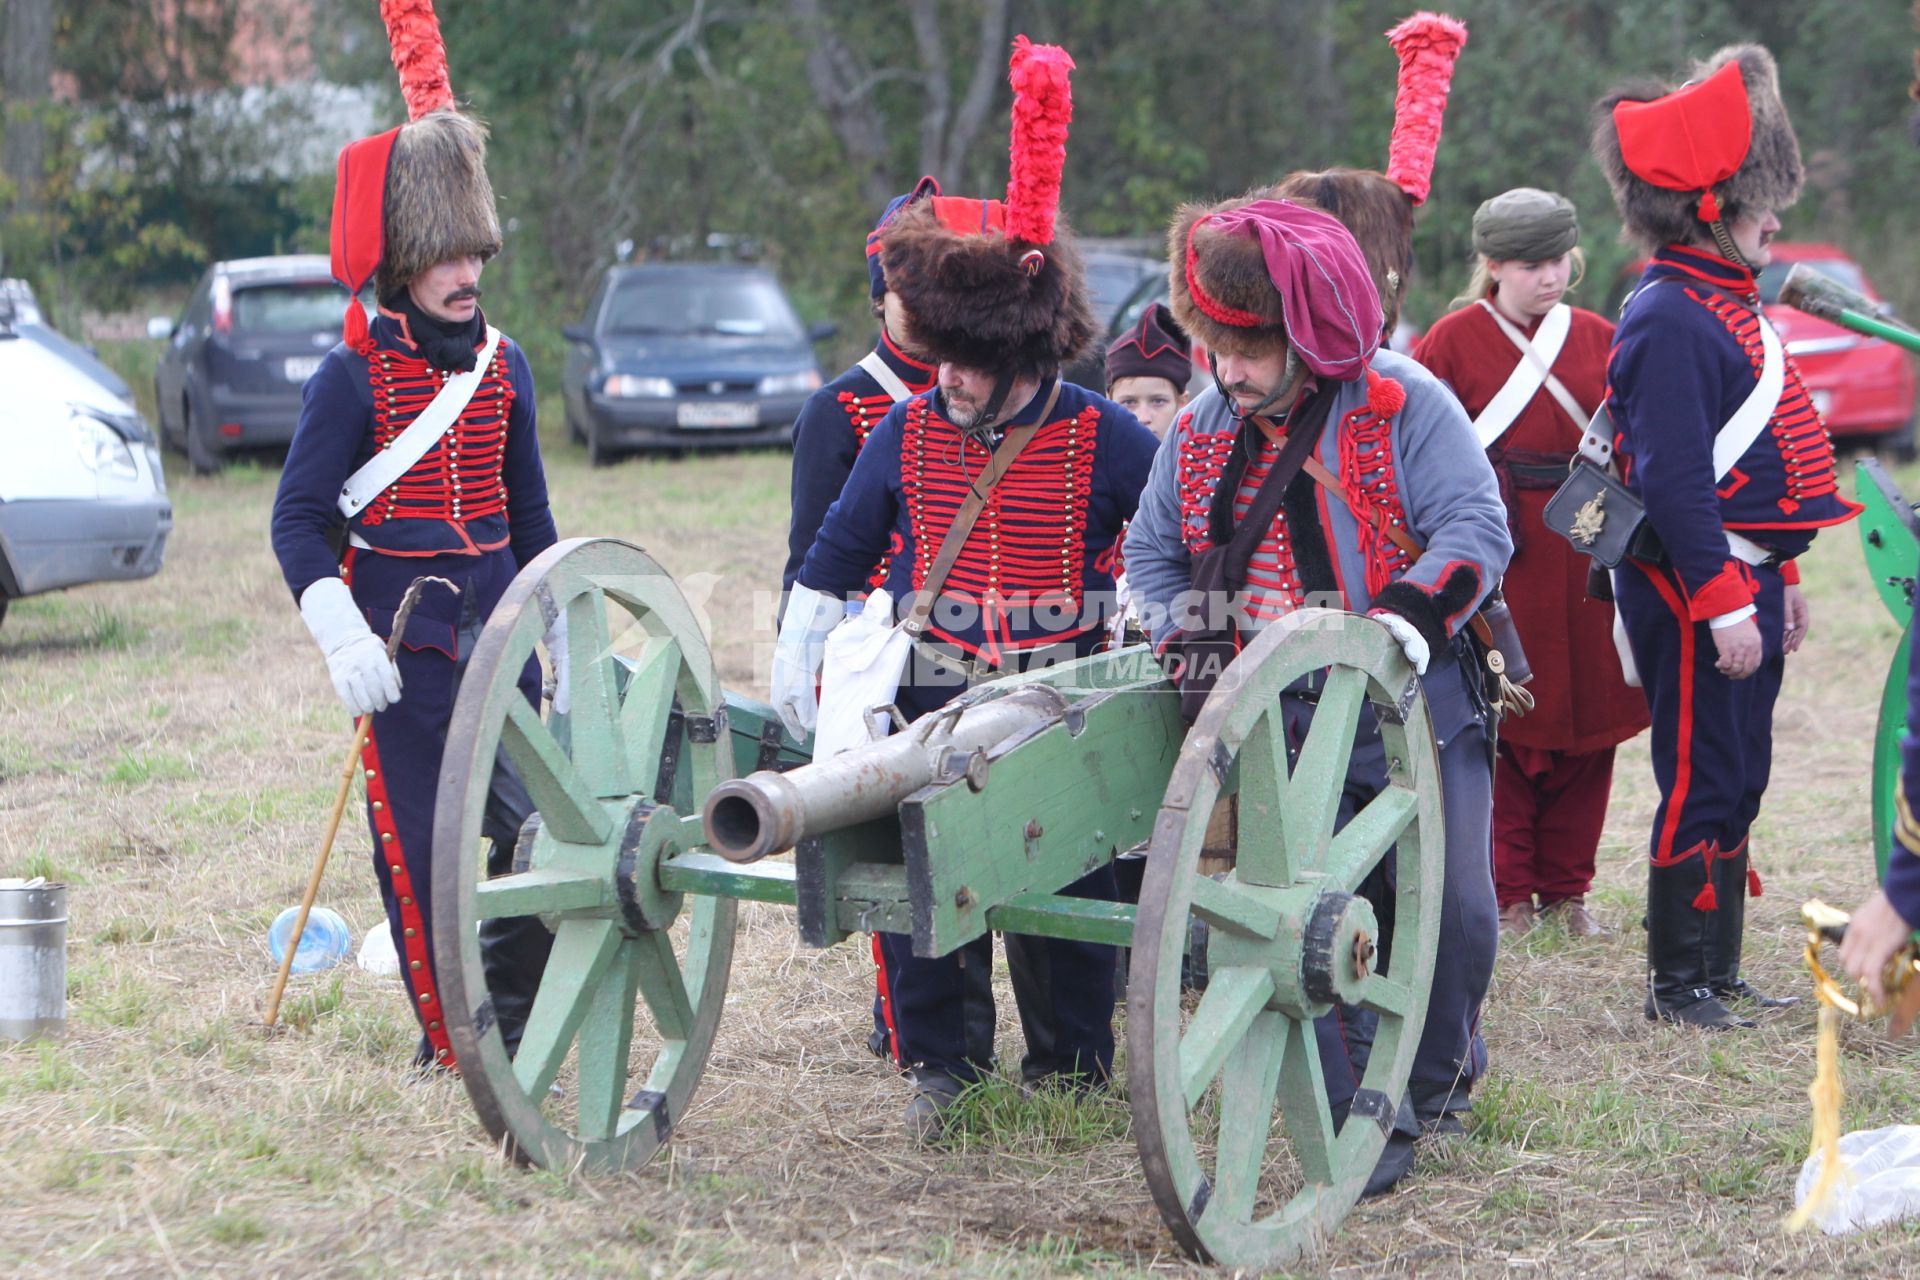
[[833, 424], [1038, 566], [1685, 357], [480, 488]]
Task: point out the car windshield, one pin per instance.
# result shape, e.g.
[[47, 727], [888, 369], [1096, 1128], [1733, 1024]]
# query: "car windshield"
[[286, 308], [1839, 270], [733, 306]]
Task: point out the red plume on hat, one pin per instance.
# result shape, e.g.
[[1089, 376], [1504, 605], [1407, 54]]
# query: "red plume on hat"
[[997, 284], [1428, 45], [417, 194]]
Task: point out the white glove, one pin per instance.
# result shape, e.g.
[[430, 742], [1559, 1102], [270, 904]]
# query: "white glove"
[[556, 642], [1412, 643], [797, 654], [363, 675]]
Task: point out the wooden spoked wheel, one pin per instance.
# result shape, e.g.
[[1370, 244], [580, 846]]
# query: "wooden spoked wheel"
[[626, 1011], [1229, 1103]]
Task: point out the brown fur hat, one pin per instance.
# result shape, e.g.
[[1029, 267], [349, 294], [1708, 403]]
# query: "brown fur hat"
[[1379, 214], [1769, 177], [439, 203], [969, 296], [1233, 271]]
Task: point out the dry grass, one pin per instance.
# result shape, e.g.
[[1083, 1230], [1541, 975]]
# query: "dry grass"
[[169, 749]]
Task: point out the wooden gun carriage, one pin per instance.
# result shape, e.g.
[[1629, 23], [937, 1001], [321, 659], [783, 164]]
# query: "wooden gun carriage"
[[660, 797]]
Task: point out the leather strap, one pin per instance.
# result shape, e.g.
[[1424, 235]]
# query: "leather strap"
[[1534, 370], [963, 519], [881, 372]]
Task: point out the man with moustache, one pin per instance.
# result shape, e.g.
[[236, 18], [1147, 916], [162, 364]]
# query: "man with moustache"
[[1283, 298], [994, 294], [414, 213]]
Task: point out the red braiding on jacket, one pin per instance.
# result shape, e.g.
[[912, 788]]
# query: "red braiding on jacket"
[[458, 478], [1806, 454], [1028, 547]]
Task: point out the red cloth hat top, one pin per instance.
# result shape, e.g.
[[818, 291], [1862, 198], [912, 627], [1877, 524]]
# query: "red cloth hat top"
[[1691, 139], [1330, 306]]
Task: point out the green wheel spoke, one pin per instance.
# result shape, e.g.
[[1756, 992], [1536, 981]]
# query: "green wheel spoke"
[[663, 986], [1262, 854], [647, 710], [1320, 774], [1223, 906], [606, 1039], [1386, 997], [540, 892], [1233, 998], [1365, 840], [582, 950], [1303, 1097], [568, 808], [1248, 1088], [599, 749]]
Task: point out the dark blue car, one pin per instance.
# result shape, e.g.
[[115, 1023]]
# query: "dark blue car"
[[687, 356]]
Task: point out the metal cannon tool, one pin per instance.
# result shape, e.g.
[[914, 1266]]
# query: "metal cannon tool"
[[662, 800]]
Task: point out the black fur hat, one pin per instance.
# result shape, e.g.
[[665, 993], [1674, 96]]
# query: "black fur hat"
[[1683, 161]]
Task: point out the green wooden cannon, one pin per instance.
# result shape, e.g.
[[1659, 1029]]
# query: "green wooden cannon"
[[660, 795], [1890, 536]]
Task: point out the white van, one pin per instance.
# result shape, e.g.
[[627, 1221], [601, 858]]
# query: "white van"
[[82, 498]]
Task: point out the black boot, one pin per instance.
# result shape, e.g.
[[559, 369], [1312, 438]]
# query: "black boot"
[[1681, 904], [1731, 884]]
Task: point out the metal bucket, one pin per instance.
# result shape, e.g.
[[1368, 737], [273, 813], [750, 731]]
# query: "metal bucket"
[[33, 959]]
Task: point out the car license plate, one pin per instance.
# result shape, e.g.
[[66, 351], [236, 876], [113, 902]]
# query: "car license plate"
[[1822, 402], [300, 368], [724, 413]]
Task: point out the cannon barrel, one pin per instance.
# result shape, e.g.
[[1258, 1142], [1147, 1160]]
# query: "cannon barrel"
[[1805, 289], [748, 818]]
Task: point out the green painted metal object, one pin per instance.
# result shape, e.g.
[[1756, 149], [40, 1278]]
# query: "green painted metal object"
[[664, 801], [1890, 537]]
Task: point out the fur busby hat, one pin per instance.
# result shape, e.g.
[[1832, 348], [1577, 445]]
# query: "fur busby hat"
[[1378, 207], [1689, 158], [1257, 275], [992, 284], [416, 195]]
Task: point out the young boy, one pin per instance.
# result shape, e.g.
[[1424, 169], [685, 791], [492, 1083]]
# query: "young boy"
[[1148, 369]]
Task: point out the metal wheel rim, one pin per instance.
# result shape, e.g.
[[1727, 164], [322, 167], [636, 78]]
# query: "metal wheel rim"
[[511, 1111], [1212, 1213]]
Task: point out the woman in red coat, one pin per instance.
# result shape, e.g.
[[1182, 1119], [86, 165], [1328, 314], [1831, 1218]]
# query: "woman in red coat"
[[1530, 370]]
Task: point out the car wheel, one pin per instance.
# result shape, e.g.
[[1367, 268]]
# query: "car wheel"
[[164, 430], [1899, 443], [574, 433], [203, 455], [598, 454], [3, 608]]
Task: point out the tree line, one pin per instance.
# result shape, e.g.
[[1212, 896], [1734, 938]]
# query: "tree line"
[[669, 126]]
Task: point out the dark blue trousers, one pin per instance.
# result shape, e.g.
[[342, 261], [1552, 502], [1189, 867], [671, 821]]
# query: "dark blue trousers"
[[1451, 1053], [402, 773]]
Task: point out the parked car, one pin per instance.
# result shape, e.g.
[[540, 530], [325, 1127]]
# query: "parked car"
[[1863, 388], [1114, 278], [238, 356], [82, 497], [687, 356]]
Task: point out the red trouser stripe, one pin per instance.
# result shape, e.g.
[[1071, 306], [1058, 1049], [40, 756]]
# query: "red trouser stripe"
[[419, 970], [886, 1000], [1683, 737]]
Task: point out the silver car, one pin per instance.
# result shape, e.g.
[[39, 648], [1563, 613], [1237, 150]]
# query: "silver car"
[[82, 498]]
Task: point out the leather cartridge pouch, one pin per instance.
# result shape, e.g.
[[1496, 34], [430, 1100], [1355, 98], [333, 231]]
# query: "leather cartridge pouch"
[[1601, 518], [1203, 647]]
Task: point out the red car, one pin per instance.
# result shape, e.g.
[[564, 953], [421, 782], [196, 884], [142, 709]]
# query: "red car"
[[1862, 387]]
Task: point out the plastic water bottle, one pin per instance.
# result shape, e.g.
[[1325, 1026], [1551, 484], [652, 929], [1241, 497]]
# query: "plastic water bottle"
[[377, 955], [323, 944]]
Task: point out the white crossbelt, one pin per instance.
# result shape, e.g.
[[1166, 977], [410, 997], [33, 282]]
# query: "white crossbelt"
[[1534, 370], [387, 466], [883, 374]]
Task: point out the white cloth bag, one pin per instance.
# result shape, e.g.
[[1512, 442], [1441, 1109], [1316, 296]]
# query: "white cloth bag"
[[866, 656]]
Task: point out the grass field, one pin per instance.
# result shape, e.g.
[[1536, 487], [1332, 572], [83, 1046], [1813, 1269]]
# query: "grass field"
[[168, 749]]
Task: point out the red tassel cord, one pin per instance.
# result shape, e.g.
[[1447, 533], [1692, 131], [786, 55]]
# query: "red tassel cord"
[[1042, 108], [1428, 45], [419, 55]]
